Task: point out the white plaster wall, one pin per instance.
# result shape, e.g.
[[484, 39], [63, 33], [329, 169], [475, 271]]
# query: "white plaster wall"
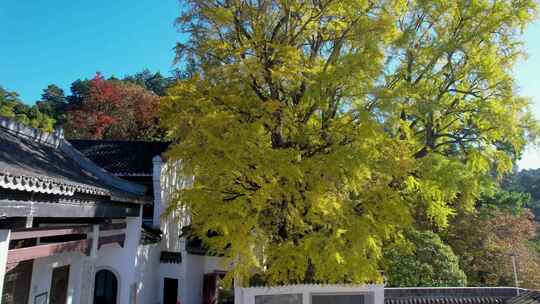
[[171, 234], [133, 264], [374, 293], [122, 261], [42, 275], [193, 284], [170, 224], [174, 271], [190, 274], [214, 264], [4, 247], [191, 271], [157, 166], [147, 274], [190, 278]]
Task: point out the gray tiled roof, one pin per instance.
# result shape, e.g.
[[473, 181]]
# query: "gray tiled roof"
[[443, 295], [39, 162], [122, 158], [526, 297]]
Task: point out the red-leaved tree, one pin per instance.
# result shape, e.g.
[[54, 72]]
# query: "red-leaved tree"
[[114, 109], [484, 242]]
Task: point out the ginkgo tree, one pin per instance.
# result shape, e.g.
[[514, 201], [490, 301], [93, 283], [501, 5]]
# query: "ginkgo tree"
[[318, 130]]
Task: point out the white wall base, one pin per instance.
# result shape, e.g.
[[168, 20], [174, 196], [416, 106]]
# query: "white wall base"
[[374, 293], [4, 247]]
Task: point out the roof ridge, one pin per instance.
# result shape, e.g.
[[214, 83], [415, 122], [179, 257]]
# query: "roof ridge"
[[108, 177], [20, 129]]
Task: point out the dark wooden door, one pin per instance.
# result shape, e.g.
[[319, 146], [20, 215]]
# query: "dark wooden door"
[[210, 288], [106, 287], [59, 285], [17, 284], [170, 291]]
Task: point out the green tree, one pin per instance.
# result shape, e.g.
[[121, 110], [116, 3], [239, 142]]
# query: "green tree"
[[154, 82], [423, 260], [526, 181], [53, 103], [12, 107], [80, 89], [8, 102], [316, 129]]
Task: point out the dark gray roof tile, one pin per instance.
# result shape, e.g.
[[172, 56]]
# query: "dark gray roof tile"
[[459, 295], [123, 158], [45, 163], [526, 297]]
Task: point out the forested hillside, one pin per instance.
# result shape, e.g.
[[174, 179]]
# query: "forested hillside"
[[11, 106], [475, 249], [95, 108]]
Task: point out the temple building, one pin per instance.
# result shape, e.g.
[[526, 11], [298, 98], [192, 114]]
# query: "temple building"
[[69, 229], [83, 222], [180, 266]]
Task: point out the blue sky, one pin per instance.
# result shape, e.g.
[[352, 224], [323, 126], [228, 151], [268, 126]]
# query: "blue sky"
[[58, 41], [44, 42], [527, 75]]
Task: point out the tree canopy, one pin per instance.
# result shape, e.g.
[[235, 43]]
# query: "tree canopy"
[[484, 240], [53, 103], [423, 260], [112, 109], [96, 108], [154, 82], [12, 107], [526, 181], [317, 130]]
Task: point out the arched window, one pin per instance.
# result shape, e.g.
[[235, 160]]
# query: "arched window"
[[106, 287]]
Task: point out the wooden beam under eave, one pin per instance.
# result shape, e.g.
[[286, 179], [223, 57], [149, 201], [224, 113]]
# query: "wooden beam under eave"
[[41, 251], [22, 208], [48, 231]]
